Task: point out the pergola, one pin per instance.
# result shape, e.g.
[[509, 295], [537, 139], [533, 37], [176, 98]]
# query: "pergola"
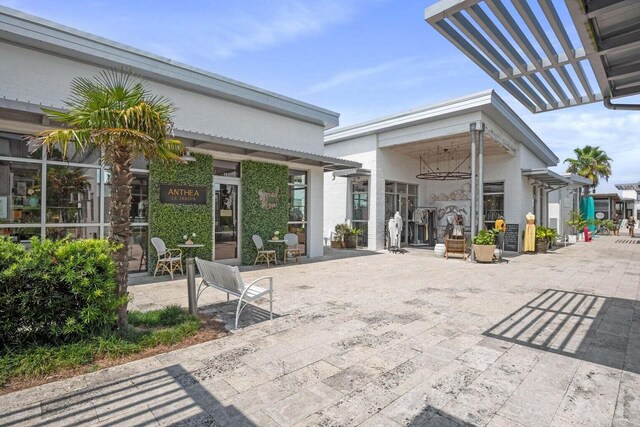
[[526, 47]]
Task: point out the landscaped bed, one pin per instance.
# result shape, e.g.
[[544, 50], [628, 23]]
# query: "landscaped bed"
[[59, 309], [150, 333]]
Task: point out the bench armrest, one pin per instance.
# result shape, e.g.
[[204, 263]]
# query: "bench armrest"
[[270, 278]]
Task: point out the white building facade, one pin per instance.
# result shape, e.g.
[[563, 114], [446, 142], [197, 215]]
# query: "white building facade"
[[436, 142], [228, 120]]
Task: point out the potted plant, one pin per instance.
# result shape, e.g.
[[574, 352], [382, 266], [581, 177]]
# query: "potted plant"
[[351, 238], [577, 223], [543, 235], [484, 243], [337, 239]]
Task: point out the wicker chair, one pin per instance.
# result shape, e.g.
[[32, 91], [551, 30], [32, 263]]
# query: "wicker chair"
[[263, 255], [169, 260], [292, 250]]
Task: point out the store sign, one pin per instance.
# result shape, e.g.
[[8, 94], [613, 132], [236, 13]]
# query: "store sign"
[[183, 194], [511, 238], [268, 200]]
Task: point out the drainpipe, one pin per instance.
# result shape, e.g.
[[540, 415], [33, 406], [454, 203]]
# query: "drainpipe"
[[473, 184], [608, 104]]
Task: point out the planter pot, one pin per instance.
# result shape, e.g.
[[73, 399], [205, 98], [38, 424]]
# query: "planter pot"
[[336, 244], [542, 246], [484, 253], [350, 242], [572, 238], [496, 253], [439, 250]]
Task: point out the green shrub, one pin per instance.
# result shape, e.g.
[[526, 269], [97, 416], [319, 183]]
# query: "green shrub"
[[57, 291]]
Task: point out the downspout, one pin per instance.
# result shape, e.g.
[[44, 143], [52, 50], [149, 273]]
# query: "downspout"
[[473, 185], [608, 104]]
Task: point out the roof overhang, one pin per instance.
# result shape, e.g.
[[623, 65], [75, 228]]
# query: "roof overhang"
[[550, 179], [513, 45], [454, 110], [267, 152], [632, 186], [30, 31], [351, 173]]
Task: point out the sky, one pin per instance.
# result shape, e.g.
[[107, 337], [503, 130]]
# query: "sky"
[[361, 58]]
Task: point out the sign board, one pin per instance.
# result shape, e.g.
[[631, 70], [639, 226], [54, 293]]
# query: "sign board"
[[512, 238], [600, 215], [183, 194]]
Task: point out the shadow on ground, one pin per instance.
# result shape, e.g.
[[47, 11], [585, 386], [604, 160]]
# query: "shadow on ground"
[[226, 312], [169, 396], [588, 327]]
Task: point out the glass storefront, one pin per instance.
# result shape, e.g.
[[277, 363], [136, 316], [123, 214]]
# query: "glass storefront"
[[298, 207], [73, 199], [360, 210]]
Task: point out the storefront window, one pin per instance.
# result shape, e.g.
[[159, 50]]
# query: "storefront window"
[[360, 209], [21, 234], [73, 195], [298, 206], [57, 233], [493, 203], [20, 192], [15, 146], [226, 168]]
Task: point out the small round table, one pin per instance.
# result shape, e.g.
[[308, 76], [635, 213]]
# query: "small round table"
[[276, 241], [191, 276]]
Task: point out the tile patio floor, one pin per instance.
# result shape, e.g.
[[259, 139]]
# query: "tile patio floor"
[[385, 340]]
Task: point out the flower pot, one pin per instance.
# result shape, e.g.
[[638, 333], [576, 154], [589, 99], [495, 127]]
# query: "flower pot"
[[336, 244], [439, 250], [189, 242], [542, 246], [484, 253], [572, 238], [350, 242]]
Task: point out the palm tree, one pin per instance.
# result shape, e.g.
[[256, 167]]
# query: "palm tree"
[[113, 112], [590, 162]]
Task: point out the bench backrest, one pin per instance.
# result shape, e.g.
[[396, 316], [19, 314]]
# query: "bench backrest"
[[221, 276]]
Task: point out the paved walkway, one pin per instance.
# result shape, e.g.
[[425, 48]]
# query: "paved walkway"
[[385, 340]]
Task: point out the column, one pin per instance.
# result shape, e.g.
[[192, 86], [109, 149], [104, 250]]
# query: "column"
[[473, 182], [481, 177]]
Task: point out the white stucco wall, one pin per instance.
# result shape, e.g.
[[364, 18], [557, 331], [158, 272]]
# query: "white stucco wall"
[[36, 77]]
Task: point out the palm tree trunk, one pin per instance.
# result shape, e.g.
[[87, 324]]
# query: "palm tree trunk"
[[120, 205]]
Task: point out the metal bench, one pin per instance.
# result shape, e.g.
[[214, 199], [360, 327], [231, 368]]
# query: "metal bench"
[[227, 279]]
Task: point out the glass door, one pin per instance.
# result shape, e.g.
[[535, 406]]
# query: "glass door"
[[226, 221]]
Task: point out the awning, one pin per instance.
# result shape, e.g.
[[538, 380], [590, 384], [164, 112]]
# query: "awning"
[[350, 173], [632, 186], [552, 180], [234, 146], [526, 47]]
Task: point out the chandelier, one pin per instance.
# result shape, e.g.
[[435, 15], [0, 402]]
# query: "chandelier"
[[443, 164]]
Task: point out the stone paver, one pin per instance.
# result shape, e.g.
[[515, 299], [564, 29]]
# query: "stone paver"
[[385, 340]]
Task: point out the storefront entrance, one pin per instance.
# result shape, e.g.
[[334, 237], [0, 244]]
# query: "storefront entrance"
[[226, 231]]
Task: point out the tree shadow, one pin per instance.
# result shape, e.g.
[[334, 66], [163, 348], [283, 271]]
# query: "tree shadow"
[[593, 328], [433, 417], [167, 396]]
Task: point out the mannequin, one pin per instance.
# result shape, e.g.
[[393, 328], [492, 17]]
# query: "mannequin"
[[396, 231], [530, 234], [458, 226]]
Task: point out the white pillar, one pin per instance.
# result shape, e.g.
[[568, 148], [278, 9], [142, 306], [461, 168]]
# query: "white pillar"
[[481, 178], [473, 182]]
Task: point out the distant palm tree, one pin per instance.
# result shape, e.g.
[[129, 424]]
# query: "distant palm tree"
[[590, 162], [114, 113]]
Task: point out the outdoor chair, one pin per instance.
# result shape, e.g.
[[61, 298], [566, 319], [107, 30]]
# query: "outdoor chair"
[[227, 279], [455, 246], [292, 250], [263, 255], [169, 260]]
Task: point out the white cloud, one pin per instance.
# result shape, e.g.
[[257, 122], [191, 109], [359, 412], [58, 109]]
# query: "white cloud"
[[272, 23]]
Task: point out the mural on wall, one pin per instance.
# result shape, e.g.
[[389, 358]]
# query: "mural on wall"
[[448, 205]]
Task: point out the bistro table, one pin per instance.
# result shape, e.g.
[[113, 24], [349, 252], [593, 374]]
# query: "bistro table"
[[277, 241], [191, 276]]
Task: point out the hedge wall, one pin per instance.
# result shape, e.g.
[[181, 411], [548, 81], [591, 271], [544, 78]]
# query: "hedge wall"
[[267, 178], [171, 222]]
